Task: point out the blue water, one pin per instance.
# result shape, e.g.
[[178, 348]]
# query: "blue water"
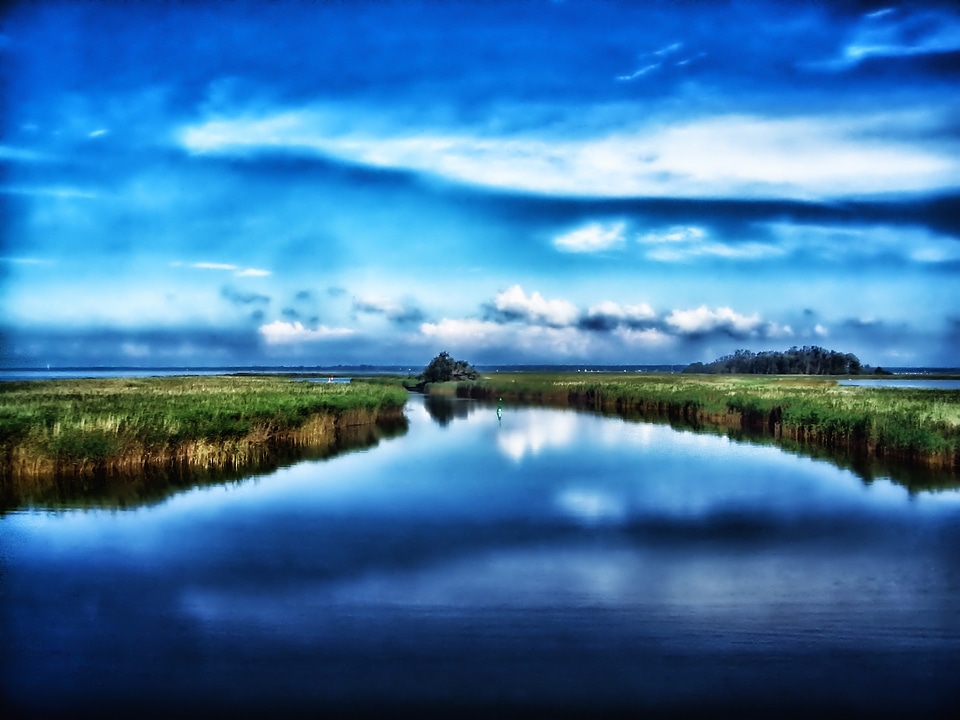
[[916, 384], [552, 561]]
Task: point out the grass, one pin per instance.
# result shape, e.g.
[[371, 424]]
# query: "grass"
[[57, 428], [914, 425]]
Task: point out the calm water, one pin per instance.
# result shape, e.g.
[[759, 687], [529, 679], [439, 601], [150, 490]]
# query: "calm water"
[[915, 384], [553, 561]]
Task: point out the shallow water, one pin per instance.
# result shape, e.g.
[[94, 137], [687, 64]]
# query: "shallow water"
[[552, 561], [940, 384]]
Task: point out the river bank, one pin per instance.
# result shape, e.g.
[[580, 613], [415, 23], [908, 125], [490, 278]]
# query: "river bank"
[[62, 433], [914, 426]]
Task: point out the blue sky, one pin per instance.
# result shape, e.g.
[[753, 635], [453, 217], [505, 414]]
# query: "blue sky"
[[570, 182]]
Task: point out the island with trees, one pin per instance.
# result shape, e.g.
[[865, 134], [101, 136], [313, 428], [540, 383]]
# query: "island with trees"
[[808, 360]]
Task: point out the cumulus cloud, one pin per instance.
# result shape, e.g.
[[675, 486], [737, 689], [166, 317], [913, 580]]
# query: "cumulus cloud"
[[287, 333], [514, 304], [703, 320], [591, 238], [512, 338], [610, 315]]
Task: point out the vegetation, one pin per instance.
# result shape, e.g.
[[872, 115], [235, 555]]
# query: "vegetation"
[[53, 429], [444, 368], [795, 361], [919, 427]]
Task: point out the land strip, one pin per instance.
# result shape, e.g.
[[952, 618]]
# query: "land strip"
[[56, 432], [919, 427]]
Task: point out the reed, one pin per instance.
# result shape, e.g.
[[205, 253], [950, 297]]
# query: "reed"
[[915, 426], [52, 429]]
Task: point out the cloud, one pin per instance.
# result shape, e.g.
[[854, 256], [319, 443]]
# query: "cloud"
[[610, 315], [213, 266], [678, 244], [394, 311], [239, 297], [514, 304], [508, 340], [238, 272], [639, 73], [591, 238], [253, 272], [702, 320], [98, 133], [890, 34], [285, 333], [800, 156]]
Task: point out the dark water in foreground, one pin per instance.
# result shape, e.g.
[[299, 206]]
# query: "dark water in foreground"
[[555, 562]]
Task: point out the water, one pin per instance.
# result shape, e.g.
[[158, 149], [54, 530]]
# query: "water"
[[939, 384], [553, 561]]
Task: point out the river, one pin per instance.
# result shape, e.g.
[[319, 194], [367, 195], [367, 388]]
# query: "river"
[[550, 561]]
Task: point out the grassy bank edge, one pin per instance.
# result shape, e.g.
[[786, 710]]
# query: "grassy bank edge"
[[56, 429], [914, 427]]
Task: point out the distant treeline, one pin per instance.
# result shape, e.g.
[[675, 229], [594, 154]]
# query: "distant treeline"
[[795, 361]]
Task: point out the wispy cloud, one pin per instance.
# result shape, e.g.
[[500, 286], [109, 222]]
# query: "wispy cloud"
[[814, 156], [285, 333], [591, 238], [227, 267], [398, 312], [893, 33], [240, 297]]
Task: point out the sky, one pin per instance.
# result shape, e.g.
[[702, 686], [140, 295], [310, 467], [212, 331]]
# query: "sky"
[[322, 183]]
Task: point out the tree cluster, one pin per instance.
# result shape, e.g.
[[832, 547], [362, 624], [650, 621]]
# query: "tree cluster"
[[795, 361], [444, 368]]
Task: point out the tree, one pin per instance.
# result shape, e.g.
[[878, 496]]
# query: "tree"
[[444, 368]]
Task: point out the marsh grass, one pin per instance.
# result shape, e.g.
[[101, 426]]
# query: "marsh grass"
[[913, 425], [79, 428]]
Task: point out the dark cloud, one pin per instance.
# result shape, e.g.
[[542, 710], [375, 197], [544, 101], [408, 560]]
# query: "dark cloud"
[[401, 314], [303, 295], [182, 346], [290, 313], [240, 297]]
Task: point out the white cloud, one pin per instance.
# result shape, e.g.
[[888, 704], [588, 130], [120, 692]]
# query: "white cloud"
[[229, 267], [634, 313], [821, 330], [638, 73], [703, 320], [98, 133], [535, 340], [673, 235], [807, 156], [514, 302], [591, 238], [214, 266], [283, 333]]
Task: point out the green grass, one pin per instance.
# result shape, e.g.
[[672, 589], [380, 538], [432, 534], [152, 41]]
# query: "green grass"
[[90, 424], [917, 425]]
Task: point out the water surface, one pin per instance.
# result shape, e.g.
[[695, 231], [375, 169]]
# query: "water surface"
[[553, 561]]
